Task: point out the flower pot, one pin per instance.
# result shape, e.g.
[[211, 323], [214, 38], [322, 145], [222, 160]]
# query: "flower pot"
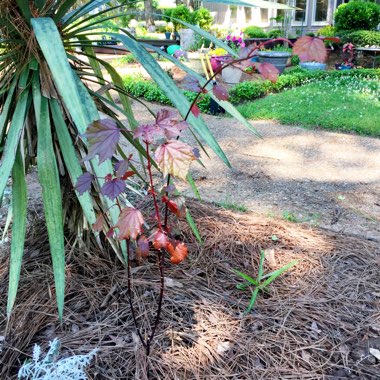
[[312, 66], [277, 58], [231, 75], [168, 35], [343, 67]]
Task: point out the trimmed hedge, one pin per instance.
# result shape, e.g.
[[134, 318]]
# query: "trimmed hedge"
[[245, 91]]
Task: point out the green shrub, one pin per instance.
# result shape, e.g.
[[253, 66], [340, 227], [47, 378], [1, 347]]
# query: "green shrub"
[[181, 13], [127, 59], [203, 18], [275, 33], [254, 32], [139, 87], [363, 38], [295, 60], [326, 31], [357, 15]]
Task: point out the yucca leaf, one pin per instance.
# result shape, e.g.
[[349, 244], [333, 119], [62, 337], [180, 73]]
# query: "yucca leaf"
[[171, 91], [71, 160], [5, 111], [13, 139], [63, 9], [25, 10], [84, 9], [52, 198], [19, 208], [77, 99]]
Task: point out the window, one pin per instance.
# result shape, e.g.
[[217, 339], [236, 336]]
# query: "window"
[[280, 12], [299, 15], [321, 7], [264, 15]]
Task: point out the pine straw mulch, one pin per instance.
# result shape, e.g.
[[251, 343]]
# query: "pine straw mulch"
[[318, 321]]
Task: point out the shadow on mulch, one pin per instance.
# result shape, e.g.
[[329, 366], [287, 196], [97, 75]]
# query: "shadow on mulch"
[[318, 321]]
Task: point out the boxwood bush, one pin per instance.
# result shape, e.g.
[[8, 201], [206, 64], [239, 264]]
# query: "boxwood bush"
[[254, 32], [357, 15]]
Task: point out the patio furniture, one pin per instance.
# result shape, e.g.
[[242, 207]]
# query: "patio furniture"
[[372, 53]]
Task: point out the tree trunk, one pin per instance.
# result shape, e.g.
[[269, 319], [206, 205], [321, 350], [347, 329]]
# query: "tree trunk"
[[148, 8]]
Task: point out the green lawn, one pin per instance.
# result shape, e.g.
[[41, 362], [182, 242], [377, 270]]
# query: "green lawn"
[[343, 104]]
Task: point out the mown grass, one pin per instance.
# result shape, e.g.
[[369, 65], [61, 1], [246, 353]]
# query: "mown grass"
[[342, 104]]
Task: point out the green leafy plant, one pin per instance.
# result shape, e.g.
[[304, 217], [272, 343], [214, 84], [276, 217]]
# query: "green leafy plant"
[[203, 18], [262, 281], [327, 31], [275, 33], [180, 13], [356, 15], [363, 38], [255, 32]]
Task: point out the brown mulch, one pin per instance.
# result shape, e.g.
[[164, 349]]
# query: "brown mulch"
[[317, 322]]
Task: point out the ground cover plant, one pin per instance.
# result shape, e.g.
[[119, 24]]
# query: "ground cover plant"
[[341, 104]]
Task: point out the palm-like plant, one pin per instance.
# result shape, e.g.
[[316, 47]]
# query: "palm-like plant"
[[47, 102]]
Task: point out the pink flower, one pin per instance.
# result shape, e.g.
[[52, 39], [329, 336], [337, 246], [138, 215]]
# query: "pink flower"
[[242, 44], [240, 40], [233, 39], [228, 37]]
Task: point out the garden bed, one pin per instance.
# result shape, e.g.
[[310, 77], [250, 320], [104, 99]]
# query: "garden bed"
[[318, 320]]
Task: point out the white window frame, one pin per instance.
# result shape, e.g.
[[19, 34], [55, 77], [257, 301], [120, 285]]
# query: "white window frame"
[[300, 23], [319, 23]]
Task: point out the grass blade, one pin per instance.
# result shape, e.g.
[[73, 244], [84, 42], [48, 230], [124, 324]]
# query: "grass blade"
[[247, 278], [193, 226], [252, 302], [261, 266], [277, 273], [19, 206]]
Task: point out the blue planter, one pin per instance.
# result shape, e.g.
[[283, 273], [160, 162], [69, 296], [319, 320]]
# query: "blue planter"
[[312, 66]]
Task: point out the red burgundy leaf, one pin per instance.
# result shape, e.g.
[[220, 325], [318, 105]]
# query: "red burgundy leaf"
[[110, 232], [84, 183], [98, 225], [121, 168], [103, 136], [220, 92], [177, 251], [268, 71], [195, 110], [191, 83], [310, 49], [160, 240], [142, 247], [112, 189], [130, 223]]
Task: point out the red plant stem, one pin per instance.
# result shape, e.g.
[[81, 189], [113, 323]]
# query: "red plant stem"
[[161, 257], [145, 345], [149, 167]]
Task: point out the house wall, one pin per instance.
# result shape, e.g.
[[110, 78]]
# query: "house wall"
[[241, 17]]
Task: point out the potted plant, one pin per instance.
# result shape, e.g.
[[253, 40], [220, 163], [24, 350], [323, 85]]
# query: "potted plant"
[[279, 57], [347, 61], [311, 52], [233, 73], [168, 30]]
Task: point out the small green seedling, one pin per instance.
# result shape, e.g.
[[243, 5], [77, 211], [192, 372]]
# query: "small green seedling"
[[262, 281]]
